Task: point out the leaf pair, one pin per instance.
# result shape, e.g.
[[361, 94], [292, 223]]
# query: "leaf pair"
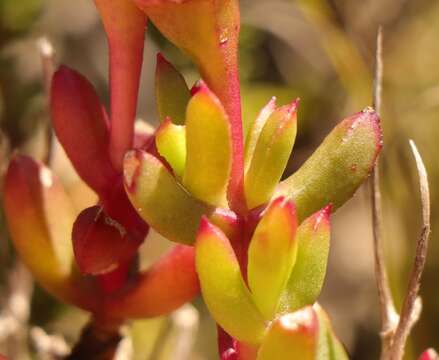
[[277, 246]]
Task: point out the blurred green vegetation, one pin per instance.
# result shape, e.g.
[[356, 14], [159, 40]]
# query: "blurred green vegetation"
[[319, 50]]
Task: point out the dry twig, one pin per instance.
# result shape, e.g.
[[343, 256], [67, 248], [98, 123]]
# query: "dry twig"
[[389, 317], [395, 329], [411, 308]]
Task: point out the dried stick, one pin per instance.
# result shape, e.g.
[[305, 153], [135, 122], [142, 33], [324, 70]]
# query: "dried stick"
[[389, 317], [411, 307], [47, 55]]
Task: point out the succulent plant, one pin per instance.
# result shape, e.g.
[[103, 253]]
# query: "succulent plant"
[[256, 244]]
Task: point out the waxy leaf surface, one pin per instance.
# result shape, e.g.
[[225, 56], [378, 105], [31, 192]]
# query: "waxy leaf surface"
[[81, 127], [160, 200], [338, 167], [171, 144], [306, 279], [271, 255], [271, 154], [209, 151], [125, 26], [292, 336], [223, 287], [171, 92]]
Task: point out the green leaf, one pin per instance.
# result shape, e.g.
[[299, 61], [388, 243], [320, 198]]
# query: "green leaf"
[[271, 154], [171, 143], [171, 91], [338, 167], [255, 131], [329, 347], [209, 148], [271, 255], [306, 279], [160, 200], [223, 287], [292, 336]]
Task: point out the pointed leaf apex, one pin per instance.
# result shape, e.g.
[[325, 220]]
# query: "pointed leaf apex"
[[321, 219]]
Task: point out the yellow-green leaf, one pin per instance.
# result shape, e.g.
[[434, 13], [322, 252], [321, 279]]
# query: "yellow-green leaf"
[[338, 167], [255, 131], [171, 143], [271, 154], [160, 200], [223, 287], [271, 255], [306, 279], [209, 148], [171, 91], [292, 336]]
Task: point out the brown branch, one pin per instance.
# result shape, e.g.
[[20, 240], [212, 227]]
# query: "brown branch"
[[411, 308], [99, 339], [47, 55], [389, 317]]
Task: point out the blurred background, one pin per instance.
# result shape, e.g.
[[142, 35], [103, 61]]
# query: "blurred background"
[[319, 50]]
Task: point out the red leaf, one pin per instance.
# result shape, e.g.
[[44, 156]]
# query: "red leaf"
[[81, 127], [100, 243], [168, 284]]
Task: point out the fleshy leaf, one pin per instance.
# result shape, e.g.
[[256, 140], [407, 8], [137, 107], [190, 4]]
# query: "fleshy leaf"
[[208, 31], [125, 26], [81, 127], [168, 284], [271, 255], [171, 92], [255, 131], [329, 346], [306, 279], [40, 216], [100, 243], [208, 142], [171, 144], [223, 287], [292, 336], [271, 154], [338, 167], [160, 200]]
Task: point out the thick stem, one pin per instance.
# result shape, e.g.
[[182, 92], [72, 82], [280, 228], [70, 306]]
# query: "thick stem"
[[99, 339]]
